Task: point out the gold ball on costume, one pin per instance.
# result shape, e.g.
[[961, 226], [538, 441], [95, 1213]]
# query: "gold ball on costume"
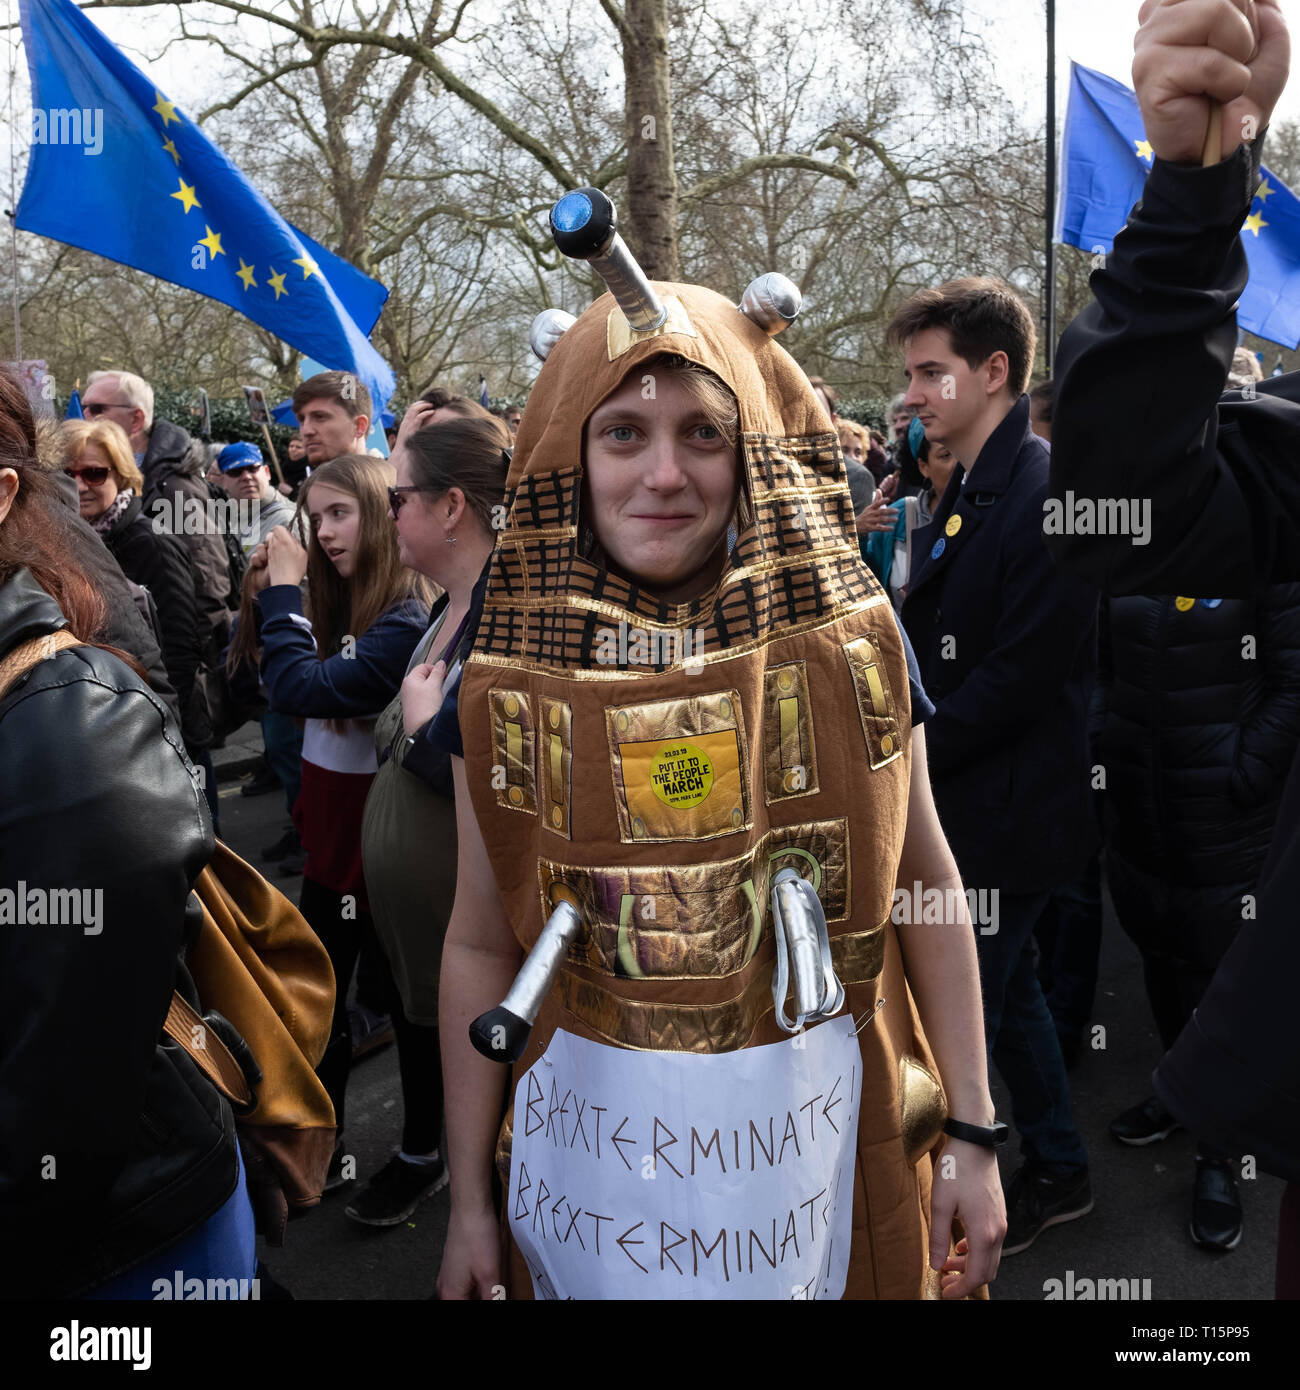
[[516, 796], [555, 717], [887, 744], [557, 816], [785, 680], [512, 707]]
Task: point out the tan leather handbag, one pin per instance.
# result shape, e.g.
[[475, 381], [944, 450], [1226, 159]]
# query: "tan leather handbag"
[[259, 965]]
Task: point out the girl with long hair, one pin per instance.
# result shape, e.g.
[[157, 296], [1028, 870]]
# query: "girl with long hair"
[[336, 663]]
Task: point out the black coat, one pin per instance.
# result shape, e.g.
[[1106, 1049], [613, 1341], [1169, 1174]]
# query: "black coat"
[[1007, 648], [96, 793], [1202, 722], [160, 563], [1138, 413]]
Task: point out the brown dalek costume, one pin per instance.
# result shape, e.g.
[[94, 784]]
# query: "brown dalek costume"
[[658, 783]]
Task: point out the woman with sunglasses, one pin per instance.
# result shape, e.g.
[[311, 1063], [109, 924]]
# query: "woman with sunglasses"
[[450, 476], [336, 662], [97, 456]]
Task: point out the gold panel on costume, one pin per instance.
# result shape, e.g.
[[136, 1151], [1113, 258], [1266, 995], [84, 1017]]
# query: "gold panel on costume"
[[789, 749], [619, 337], [677, 768], [695, 921], [876, 706], [922, 1107], [513, 752], [557, 766]]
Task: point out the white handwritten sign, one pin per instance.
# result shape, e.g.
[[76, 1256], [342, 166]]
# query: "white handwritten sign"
[[674, 1175]]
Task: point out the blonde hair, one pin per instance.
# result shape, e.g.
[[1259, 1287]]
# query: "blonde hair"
[[850, 430], [134, 390], [109, 437]]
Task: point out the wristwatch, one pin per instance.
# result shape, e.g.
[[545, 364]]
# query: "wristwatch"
[[988, 1136]]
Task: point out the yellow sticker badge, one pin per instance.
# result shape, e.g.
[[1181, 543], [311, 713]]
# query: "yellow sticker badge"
[[1184, 604], [953, 526], [681, 775]]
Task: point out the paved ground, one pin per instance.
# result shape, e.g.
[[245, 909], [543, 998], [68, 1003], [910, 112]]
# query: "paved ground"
[[1138, 1228]]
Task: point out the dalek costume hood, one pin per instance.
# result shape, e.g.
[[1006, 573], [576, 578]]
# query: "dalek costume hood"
[[656, 766]]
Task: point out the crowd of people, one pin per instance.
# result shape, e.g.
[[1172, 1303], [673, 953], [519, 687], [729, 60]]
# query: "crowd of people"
[[415, 636]]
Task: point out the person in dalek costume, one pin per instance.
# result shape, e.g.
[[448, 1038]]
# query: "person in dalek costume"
[[689, 772]]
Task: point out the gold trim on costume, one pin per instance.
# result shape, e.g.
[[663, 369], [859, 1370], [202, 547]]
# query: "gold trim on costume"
[[876, 706], [513, 751], [619, 338], [789, 749], [557, 767]]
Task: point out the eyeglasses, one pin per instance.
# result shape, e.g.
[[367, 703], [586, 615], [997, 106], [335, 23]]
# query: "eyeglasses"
[[93, 412], [93, 476], [396, 497]]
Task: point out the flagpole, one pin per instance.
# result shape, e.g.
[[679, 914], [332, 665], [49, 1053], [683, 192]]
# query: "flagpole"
[[13, 191], [1049, 216]]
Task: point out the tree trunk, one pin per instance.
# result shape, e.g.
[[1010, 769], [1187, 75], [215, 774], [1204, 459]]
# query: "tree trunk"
[[650, 224]]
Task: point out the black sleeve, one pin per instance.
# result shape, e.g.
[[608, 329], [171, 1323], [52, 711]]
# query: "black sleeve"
[[96, 798], [1270, 730], [164, 567], [1138, 413]]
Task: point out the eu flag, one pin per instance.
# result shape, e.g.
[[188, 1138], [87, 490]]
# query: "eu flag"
[[117, 169], [1104, 164]]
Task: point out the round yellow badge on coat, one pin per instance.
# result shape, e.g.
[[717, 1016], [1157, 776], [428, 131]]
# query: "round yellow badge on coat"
[[681, 776], [953, 526], [1183, 604]]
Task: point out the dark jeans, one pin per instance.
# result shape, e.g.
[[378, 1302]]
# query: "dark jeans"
[[1069, 939], [282, 739], [1021, 1037], [418, 1055], [1182, 930]]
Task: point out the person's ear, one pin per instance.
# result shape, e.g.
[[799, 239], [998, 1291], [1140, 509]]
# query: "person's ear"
[[137, 422], [362, 423], [8, 490], [454, 506], [999, 365]]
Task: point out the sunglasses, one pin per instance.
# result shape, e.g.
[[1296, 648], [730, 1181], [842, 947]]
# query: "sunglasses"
[[93, 476], [242, 469], [396, 495], [93, 412]]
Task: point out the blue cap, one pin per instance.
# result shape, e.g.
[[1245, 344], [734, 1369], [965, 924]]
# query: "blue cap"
[[915, 437], [239, 455]]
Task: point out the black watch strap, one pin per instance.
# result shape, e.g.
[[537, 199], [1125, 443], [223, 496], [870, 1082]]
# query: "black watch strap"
[[988, 1136]]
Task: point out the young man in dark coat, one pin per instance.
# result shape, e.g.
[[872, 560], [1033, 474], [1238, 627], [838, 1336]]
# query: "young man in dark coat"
[[1007, 650], [1225, 492]]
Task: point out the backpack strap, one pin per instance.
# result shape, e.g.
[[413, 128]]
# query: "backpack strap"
[[28, 654], [212, 1057]]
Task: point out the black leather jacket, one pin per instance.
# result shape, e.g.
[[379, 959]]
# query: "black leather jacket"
[[112, 1144]]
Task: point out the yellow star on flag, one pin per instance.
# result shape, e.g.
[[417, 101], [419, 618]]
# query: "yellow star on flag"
[[245, 273], [1144, 149], [1254, 222], [166, 109], [212, 241], [308, 265], [186, 196], [1265, 191], [277, 282], [170, 147]]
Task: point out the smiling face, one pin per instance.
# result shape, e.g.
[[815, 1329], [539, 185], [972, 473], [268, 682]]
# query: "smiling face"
[[335, 523], [661, 487], [94, 498]]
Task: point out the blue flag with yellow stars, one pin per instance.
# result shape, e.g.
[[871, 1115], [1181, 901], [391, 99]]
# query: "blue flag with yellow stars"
[[117, 169], [1104, 163]]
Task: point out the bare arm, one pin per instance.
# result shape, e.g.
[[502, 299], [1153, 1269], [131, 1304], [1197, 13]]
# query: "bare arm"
[[479, 962], [943, 974]]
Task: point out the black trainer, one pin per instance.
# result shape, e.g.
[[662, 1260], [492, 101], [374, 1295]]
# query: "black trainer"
[[396, 1190], [286, 844], [1216, 1205], [259, 782], [1144, 1124], [1037, 1197], [370, 1031]]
